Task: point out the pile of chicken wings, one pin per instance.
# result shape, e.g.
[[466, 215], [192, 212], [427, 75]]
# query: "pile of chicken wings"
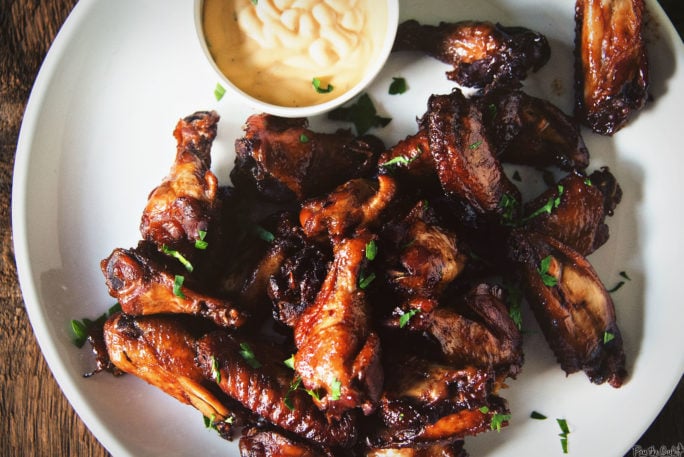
[[342, 297]]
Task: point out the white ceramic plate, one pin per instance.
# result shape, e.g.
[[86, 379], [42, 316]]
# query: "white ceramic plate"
[[97, 137]]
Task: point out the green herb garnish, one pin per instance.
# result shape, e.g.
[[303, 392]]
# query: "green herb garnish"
[[80, 332], [201, 244], [362, 114], [178, 281], [79, 329], [335, 389], [475, 145], [303, 138], [294, 385], [398, 86], [406, 317], [565, 431], [551, 204], [509, 206], [366, 280], [264, 234], [608, 337], [219, 91], [316, 83], [371, 250], [215, 373], [483, 409], [178, 256], [544, 265], [398, 160], [247, 354], [538, 416], [498, 420]]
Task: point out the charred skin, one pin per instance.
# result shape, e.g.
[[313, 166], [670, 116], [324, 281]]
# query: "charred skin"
[[426, 403], [255, 442], [572, 307], [282, 160], [185, 203], [578, 220], [454, 449], [338, 354], [611, 65], [264, 385], [462, 152], [161, 351], [531, 131], [482, 53], [143, 287]]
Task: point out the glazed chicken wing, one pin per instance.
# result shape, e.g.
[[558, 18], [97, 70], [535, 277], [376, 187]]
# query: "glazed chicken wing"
[[482, 53], [611, 64], [143, 286], [253, 373], [161, 351], [338, 355], [281, 159], [572, 306], [184, 204]]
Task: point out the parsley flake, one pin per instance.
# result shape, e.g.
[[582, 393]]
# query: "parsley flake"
[[398, 160], [335, 389], [290, 362], [303, 138], [475, 145], [201, 244], [371, 250], [178, 256], [544, 265], [215, 373], [264, 234], [219, 91], [552, 203], [247, 354], [498, 420], [362, 114], [406, 317], [565, 431], [178, 281], [80, 332], [365, 281], [538, 416], [317, 85], [398, 86], [608, 337]]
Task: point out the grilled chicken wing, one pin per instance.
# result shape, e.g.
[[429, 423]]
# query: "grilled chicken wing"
[[143, 286], [270, 443], [531, 131], [355, 204], [337, 353], [482, 53], [572, 306], [426, 403], [253, 373], [161, 351], [465, 162], [576, 215], [185, 203], [454, 449], [282, 160], [611, 64]]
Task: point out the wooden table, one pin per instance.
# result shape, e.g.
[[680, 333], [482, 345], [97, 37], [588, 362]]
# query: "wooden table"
[[35, 418]]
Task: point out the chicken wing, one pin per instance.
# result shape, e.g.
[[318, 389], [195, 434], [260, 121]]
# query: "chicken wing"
[[611, 66]]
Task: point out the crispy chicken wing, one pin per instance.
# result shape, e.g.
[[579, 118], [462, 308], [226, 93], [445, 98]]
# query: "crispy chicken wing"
[[282, 159], [482, 53], [143, 286], [611, 64], [253, 373], [572, 306], [256, 442], [338, 355], [161, 351], [185, 203]]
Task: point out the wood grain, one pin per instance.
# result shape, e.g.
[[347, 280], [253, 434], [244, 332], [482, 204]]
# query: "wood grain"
[[35, 418]]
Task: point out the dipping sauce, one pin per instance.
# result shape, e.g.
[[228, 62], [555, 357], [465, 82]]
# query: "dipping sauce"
[[273, 49]]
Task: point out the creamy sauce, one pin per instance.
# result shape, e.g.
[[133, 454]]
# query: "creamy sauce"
[[272, 50]]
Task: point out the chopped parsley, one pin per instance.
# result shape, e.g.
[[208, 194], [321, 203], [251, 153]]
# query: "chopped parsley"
[[398, 160], [398, 86], [255, 2], [365, 281], [498, 420], [215, 373], [317, 85], [178, 256], [484, 409], [335, 389], [475, 145], [371, 250], [219, 91], [406, 317], [552, 203], [565, 431], [294, 385], [538, 416], [290, 362], [201, 244], [264, 234], [509, 206], [544, 265], [303, 138], [514, 299], [362, 114], [178, 281], [617, 286], [247, 354], [79, 329], [608, 337]]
